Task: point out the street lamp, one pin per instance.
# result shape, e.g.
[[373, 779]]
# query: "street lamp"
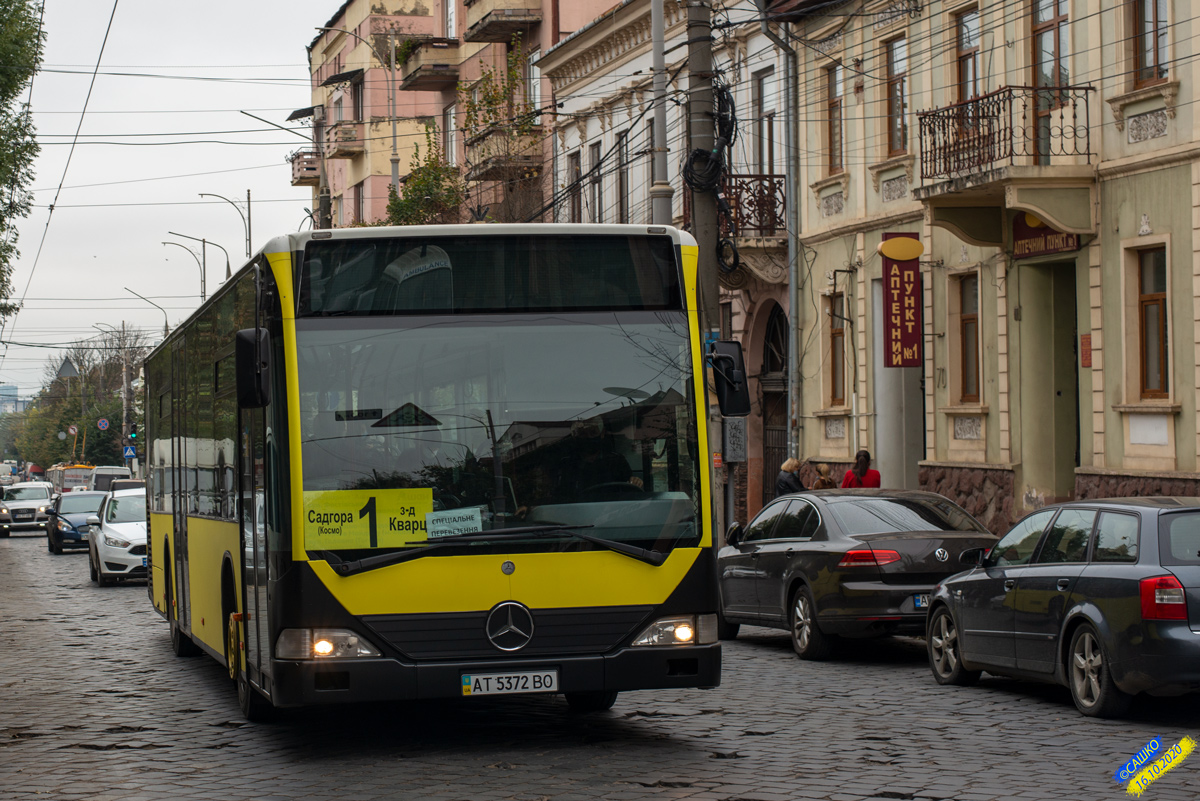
[[199, 264], [166, 325], [245, 217], [203, 242], [391, 92]]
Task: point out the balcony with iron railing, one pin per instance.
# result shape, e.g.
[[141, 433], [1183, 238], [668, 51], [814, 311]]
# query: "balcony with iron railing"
[[757, 206], [1019, 126], [503, 153], [500, 20], [1017, 149], [306, 168], [429, 64], [344, 140]]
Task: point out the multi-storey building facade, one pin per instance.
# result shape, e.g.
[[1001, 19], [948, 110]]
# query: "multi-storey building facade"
[[1046, 154], [602, 143]]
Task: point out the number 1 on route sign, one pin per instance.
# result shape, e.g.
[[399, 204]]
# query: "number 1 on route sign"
[[102, 423]]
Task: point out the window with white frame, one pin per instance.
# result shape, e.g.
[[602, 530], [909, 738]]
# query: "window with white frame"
[[533, 84], [449, 137], [449, 19], [763, 113], [596, 182]]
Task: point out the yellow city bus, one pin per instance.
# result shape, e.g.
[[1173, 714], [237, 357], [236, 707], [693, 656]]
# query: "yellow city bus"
[[442, 461]]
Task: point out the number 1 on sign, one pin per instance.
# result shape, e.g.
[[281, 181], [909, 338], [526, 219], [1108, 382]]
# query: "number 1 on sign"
[[368, 511]]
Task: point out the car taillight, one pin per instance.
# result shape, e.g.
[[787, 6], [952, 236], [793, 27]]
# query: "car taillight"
[[1163, 599], [860, 558]]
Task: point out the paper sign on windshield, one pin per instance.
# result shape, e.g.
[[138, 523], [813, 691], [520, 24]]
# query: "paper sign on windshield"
[[384, 518], [453, 521]]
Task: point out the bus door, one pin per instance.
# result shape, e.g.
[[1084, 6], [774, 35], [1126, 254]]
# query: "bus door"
[[251, 473], [181, 432]]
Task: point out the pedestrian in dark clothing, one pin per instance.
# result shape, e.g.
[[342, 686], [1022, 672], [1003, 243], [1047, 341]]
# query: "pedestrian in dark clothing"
[[861, 475], [788, 481]]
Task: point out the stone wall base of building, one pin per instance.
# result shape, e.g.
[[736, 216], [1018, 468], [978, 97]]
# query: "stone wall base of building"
[[808, 471], [1091, 483], [986, 491]]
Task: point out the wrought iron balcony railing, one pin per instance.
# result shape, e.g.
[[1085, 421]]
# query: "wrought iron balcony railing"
[[757, 205], [1016, 125]]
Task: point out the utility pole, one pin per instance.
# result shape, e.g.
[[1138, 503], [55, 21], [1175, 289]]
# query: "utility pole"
[[704, 215], [661, 190]]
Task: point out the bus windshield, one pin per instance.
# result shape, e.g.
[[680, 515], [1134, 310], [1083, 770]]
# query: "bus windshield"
[[435, 425]]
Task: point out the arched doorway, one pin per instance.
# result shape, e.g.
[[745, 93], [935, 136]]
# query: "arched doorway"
[[773, 381]]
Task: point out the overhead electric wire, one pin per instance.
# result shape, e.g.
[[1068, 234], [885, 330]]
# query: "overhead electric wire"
[[5, 328]]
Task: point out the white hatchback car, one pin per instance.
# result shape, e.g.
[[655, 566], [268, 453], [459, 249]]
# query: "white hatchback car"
[[117, 538]]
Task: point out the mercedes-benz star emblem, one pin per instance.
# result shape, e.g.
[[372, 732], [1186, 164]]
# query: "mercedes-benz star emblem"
[[510, 626], [942, 554]]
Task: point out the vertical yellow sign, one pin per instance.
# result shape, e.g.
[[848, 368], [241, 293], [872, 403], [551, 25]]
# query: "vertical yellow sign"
[[385, 518]]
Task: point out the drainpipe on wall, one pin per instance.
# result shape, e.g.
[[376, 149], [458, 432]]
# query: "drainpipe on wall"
[[792, 202]]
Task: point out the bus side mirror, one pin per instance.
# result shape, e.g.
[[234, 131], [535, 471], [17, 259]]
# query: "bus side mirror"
[[252, 364], [729, 375]]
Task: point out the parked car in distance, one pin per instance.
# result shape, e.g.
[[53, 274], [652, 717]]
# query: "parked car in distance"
[[67, 525], [103, 476], [127, 483], [831, 563], [117, 538], [1100, 596], [25, 507]]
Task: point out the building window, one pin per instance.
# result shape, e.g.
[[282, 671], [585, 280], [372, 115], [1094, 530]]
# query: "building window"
[[1152, 314], [1150, 41], [596, 184], [1050, 47], [763, 113], [575, 192], [966, 26], [833, 113], [533, 85], [623, 177], [968, 329], [450, 18], [356, 100], [449, 145], [897, 94], [837, 350]]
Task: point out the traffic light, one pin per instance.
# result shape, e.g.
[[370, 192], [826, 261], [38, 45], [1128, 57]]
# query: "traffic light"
[[133, 431]]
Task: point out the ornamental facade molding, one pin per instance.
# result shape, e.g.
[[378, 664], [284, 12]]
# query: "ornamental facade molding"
[[592, 60]]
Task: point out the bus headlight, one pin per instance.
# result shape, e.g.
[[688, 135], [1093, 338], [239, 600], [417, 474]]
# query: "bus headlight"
[[683, 630], [321, 644]]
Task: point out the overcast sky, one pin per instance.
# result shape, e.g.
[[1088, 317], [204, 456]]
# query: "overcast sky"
[[199, 65]]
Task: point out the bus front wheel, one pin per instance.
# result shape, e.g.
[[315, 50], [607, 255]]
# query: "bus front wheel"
[[591, 702]]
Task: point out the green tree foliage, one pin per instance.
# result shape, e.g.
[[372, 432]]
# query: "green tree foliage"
[[21, 41], [82, 402], [434, 191]]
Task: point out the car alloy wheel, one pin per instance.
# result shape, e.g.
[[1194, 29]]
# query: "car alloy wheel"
[[1092, 686], [945, 656], [808, 641]]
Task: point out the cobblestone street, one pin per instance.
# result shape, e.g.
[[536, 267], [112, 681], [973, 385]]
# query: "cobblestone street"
[[94, 705]]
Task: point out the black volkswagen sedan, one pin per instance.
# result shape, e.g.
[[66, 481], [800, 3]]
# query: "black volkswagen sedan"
[[842, 563], [1101, 596]]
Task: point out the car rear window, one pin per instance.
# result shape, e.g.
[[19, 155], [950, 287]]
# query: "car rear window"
[[1179, 539], [895, 515]]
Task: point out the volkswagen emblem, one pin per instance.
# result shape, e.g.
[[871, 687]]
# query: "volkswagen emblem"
[[942, 554], [510, 626]]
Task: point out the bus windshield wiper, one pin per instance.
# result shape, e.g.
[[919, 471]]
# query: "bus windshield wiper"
[[355, 566], [641, 554]]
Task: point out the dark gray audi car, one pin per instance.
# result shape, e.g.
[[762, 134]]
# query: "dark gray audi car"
[[1101, 596]]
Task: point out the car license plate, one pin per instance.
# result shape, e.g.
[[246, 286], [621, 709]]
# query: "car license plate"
[[532, 681], [921, 601]]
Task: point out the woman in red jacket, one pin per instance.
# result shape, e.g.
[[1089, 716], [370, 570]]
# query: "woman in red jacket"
[[861, 476]]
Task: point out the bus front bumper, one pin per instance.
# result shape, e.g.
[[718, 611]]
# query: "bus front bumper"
[[308, 682]]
